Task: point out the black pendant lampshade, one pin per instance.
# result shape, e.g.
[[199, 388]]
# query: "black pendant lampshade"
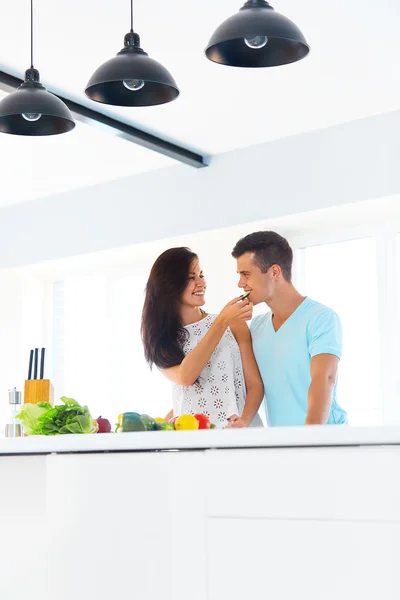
[[132, 78], [257, 36], [31, 109]]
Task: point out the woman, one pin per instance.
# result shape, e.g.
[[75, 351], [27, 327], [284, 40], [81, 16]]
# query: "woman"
[[209, 358]]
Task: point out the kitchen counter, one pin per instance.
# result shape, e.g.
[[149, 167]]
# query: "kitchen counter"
[[311, 513], [277, 437]]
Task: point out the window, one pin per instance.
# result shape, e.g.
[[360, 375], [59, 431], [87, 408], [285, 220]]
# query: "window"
[[343, 276], [100, 362], [137, 387]]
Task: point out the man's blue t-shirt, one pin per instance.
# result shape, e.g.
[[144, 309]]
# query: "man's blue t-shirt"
[[284, 358]]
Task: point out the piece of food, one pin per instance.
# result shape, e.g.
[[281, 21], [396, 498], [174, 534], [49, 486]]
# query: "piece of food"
[[165, 426], [244, 296], [159, 420], [204, 421], [186, 422], [30, 416], [213, 426], [149, 422], [173, 420], [118, 423], [132, 421], [69, 417], [104, 425]]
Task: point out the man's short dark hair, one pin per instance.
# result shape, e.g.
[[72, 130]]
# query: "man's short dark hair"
[[269, 248]]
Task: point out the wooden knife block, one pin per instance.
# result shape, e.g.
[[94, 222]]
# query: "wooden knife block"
[[38, 390]]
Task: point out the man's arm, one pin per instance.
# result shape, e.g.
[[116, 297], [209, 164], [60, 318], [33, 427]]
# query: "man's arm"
[[323, 370], [254, 384]]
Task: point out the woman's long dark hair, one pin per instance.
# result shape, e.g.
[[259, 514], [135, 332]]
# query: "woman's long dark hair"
[[162, 333]]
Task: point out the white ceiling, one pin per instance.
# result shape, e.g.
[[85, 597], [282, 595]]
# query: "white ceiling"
[[353, 71], [32, 167]]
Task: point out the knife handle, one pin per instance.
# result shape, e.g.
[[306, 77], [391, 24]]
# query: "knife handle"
[[42, 363], [35, 367], [30, 365]]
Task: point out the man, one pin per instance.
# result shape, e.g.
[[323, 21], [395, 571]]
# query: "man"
[[298, 344]]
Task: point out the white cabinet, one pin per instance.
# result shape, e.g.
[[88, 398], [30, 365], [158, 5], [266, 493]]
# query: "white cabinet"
[[276, 524], [302, 560], [353, 483], [23, 557], [129, 525], [304, 524]]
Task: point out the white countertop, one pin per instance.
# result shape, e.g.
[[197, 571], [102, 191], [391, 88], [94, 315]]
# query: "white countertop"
[[277, 437]]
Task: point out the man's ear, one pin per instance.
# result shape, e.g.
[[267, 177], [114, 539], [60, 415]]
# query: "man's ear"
[[275, 271]]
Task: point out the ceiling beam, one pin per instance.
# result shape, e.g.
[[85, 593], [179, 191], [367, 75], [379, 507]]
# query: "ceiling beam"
[[9, 83]]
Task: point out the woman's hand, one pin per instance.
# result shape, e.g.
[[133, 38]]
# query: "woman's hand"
[[236, 310], [235, 313], [169, 415], [236, 422]]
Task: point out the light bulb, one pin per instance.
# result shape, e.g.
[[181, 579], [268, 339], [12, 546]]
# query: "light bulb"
[[31, 116], [256, 42], [133, 85]]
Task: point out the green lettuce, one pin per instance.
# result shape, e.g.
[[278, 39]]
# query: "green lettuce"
[[44, 419], [30, 417]]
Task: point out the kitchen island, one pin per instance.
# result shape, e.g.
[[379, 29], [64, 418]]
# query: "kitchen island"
[[283, 513]]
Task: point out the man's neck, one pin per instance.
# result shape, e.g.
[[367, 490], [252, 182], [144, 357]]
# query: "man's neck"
[[285, 302]]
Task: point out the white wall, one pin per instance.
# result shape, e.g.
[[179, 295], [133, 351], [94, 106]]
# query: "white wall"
[[25, 313], [111, 307], [348, 163]]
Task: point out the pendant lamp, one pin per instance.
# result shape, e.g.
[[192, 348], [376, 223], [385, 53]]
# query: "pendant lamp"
[[31, 109], [257, 36], [132, 78]]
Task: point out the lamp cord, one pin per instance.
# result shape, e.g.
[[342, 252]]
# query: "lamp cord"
[[132, 15], [31, 34]]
